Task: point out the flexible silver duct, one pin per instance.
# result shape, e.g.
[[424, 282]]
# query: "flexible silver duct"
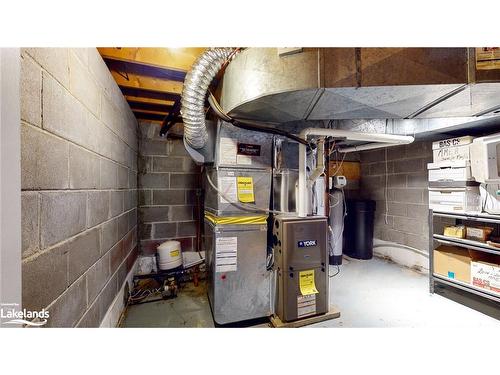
[[194, 92]]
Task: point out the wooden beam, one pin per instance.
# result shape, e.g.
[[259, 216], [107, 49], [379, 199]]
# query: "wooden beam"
[[158, 108], [149, 100], [151, 94], [140, 115], [173, 58], [145, 70], [148, 83]]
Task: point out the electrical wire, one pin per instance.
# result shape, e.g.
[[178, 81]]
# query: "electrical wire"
[[250, 125], [336, 273]]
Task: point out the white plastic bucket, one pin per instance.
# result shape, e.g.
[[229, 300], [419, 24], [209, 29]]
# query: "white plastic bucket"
[[169, 255]]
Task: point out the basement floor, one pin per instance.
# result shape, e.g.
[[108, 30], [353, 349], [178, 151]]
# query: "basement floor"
[[374, 293]]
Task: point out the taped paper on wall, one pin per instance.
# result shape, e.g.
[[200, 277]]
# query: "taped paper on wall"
[[488, 58], [227, 151], [245, 189], [227, 185], [226, 254], [306, 283]]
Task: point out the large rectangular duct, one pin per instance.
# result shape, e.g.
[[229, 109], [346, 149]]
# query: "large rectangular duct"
[[358, 83]]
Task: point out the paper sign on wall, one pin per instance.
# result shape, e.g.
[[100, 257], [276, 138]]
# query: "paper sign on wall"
[[306, 283], [227, 186], [488, 58], [226, 254], [245, 189]]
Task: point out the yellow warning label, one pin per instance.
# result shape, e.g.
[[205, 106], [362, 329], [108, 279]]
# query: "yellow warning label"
[[245, 189], [306, 283], [174, 253], [488, 58]]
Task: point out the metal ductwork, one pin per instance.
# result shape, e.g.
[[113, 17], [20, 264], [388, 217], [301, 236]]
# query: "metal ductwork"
[[358, 83], [194, 93]]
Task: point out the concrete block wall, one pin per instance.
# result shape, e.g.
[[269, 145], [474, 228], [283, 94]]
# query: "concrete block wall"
[[79, 185], [168, 184], [399, 186]]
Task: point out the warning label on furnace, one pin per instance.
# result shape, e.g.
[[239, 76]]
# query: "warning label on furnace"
[[306, 283], [488, 58], [227, 186], [306, 305], [227, 151], [245, 189], [226, 254]]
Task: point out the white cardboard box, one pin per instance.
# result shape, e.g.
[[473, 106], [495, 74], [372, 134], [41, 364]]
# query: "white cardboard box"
[[465, 199], [486, 276], [451, 154], [452, 142]]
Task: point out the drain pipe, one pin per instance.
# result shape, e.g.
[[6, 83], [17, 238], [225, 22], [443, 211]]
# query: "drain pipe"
[[375, 140]]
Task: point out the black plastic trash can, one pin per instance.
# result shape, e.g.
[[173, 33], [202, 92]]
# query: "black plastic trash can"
[[358, 235]]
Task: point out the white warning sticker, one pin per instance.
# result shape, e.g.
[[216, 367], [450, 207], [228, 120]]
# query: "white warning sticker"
[[228, 187], [306, 305], [227, 151], [226, 254], [244, 159]]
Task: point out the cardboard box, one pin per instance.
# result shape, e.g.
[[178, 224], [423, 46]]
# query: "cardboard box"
[[457, 231], [480, 234], [451, 155], [452, 262], [486, 276], [485, 270]]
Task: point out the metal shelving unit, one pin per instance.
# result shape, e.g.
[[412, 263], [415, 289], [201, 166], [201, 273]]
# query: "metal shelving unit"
[[469, 244]]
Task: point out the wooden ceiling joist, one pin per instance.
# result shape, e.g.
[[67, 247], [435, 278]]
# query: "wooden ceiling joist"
[[152, 94], [151, 79], [135, 105], [170, 58], [148, 83], [149, 100], [152, 116], [145, 70]]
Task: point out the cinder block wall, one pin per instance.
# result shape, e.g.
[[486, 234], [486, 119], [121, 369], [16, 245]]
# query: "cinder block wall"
[[406, 196], [168, 183], [79, 185]]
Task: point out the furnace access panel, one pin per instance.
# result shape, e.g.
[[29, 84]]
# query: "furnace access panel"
[[301, 263]]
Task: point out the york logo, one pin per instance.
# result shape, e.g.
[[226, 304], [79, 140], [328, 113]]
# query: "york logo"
[[308, 243]]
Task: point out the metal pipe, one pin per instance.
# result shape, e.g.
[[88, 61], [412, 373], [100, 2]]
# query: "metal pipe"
[[375, 139]]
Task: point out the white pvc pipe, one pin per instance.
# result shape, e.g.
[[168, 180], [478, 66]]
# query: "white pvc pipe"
[[320, 162], [369, 146], [376, 141]]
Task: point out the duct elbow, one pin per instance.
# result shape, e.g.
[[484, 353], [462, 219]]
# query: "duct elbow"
[[194, 93]]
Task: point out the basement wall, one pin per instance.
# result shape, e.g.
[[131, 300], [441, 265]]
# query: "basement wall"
[[79, 185], [168, 184], [402, 207]]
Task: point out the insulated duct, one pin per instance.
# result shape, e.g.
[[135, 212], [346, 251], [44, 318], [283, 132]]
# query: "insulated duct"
[[194, 93]]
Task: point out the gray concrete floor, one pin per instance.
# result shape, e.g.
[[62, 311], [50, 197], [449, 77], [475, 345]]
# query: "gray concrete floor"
[[189, 309], [374, 293]]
